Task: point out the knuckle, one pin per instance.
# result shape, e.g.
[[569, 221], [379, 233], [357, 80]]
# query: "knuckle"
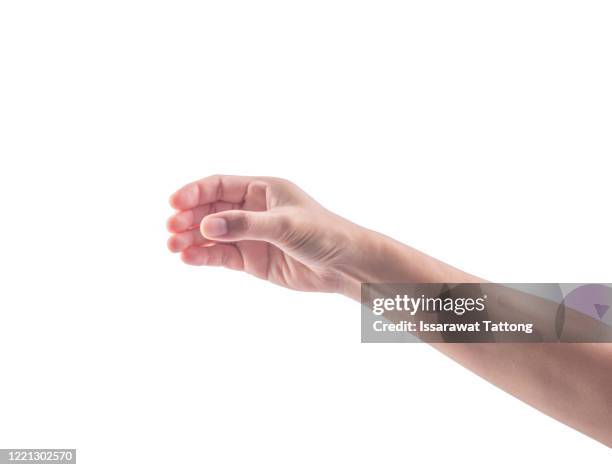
[[240, 224], [282, 182], [284, 223], [287, 228]]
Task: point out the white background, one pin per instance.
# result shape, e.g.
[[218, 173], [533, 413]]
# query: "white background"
[[477, 131]]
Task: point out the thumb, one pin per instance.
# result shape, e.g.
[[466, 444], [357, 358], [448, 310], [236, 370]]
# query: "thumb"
[[235, 225]]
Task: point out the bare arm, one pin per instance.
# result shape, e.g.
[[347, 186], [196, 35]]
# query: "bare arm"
[[271, 229], [569, 382]]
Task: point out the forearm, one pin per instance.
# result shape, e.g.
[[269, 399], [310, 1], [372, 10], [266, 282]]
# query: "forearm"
[[270, 228], [570, 382], [376, 258]]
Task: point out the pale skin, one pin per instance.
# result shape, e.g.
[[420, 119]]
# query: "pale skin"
[[270, 228]]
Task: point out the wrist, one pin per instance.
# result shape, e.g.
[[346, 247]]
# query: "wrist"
[[363, 260], [375, 258]]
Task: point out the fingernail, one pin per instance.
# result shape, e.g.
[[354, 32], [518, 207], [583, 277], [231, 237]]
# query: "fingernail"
[[214, 227]]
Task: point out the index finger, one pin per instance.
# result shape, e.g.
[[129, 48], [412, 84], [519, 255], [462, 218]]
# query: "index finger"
[[211, 189]]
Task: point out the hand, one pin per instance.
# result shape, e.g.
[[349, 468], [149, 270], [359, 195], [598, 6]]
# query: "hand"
[[264, 226]]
